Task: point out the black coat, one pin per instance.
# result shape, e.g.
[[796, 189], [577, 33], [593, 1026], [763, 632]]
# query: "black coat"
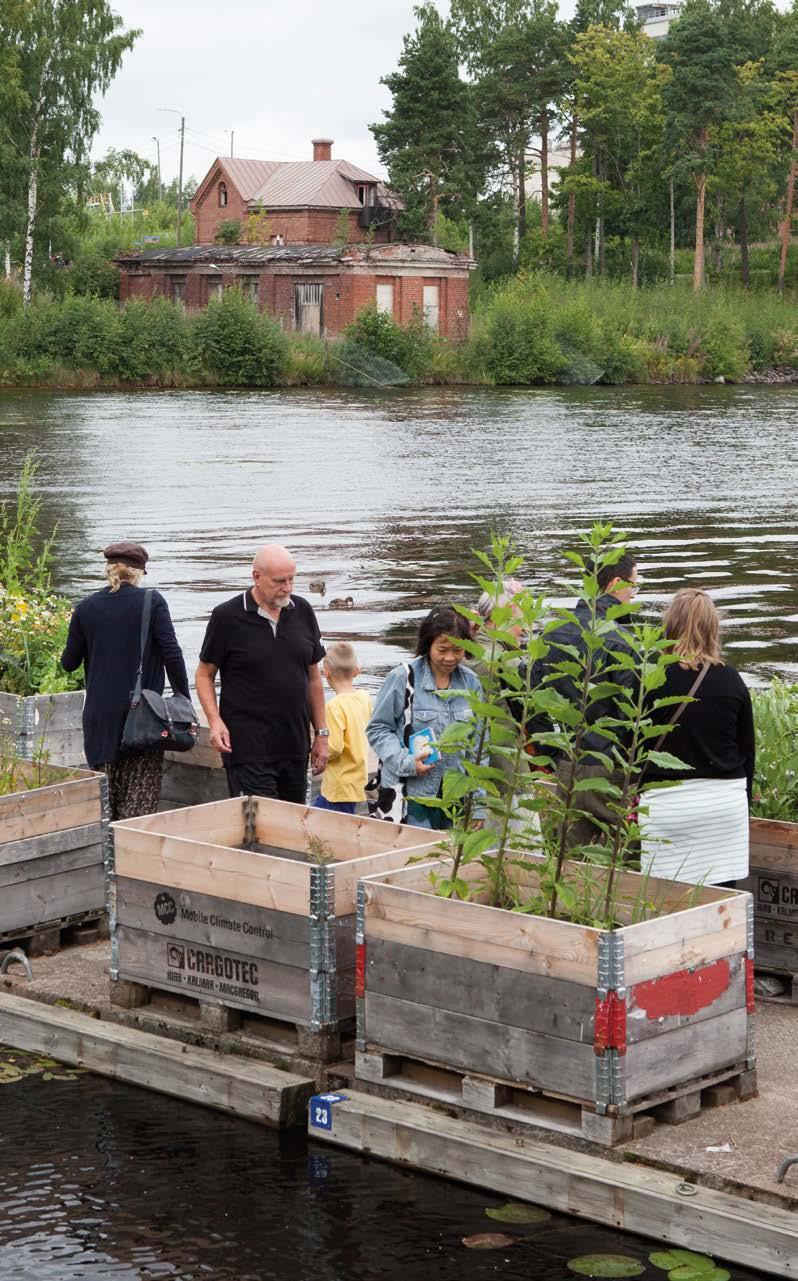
[[105, 635], [571, 635]]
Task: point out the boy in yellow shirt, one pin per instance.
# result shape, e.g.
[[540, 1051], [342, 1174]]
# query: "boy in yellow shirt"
[[343, 783]]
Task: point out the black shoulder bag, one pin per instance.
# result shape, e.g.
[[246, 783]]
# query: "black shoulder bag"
[[152, 720]]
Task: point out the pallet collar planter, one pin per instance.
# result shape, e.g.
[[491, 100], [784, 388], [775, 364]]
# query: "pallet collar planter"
[[195, 777], [53, 842], [489, 1008], [773, 882], [45, 724], [217, 902]]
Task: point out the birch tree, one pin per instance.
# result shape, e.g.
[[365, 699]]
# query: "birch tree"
[[64, 53]]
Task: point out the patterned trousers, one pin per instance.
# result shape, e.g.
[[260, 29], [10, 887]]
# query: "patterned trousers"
[[134, 783]]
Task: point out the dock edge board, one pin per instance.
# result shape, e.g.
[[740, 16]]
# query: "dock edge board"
[[241, 1087], [630, 1197]]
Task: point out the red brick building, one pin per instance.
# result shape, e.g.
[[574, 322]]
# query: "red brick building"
[[316, 289], [290, 259], [298, 202]]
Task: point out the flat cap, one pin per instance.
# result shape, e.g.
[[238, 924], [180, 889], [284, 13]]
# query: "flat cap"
[[132, 554]]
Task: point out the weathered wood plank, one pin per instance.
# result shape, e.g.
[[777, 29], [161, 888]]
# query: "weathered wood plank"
[[659, 1062], [222, 822], [558, 948], [689, 938], [215, 922], [480, 1045], [70, 803], [220, 871], [291, 827], [347, 875], [241, 1087], [628, 1197], [685, 999], [500, 995], [34, 902], [68, 860], [186, 782], [215, 974], [35, 847]]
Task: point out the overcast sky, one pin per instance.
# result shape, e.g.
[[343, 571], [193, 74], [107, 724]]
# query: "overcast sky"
[[275, 73]]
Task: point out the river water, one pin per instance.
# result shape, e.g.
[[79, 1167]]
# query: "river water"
[[382, 496], [105, 1182]]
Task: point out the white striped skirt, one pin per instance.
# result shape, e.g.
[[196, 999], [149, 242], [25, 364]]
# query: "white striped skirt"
[[696, 831]]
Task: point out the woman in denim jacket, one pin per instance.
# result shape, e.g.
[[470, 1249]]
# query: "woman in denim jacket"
[[438, 666]]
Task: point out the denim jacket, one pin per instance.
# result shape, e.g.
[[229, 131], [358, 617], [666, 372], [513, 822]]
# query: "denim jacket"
[[386, 728]]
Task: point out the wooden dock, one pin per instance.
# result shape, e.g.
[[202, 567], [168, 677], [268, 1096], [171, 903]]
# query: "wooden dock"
[[629, 1197]]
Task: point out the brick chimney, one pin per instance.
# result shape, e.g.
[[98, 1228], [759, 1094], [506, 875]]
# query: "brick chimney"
[[322, 148]]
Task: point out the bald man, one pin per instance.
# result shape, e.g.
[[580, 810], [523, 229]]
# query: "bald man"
[[265, 645]]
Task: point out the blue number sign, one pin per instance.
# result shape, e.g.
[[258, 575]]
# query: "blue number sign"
[[321, 1106]]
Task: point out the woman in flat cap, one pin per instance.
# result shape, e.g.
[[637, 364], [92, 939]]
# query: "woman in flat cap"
[[105, 635]]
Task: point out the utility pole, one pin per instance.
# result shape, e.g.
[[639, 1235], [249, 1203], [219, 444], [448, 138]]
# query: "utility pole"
[[232, 135], [174, 112], [157, 142]]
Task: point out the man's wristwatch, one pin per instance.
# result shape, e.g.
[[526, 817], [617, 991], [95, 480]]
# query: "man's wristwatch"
[[322, 733]]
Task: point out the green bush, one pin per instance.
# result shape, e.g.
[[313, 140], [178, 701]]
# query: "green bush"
[[409, 346], [228, 232], [238, 345], [518, 341], [154, 340], [92, 273]]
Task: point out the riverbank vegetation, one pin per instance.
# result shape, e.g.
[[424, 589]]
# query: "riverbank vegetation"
[[532, 329]]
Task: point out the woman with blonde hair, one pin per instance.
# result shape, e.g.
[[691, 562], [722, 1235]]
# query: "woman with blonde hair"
[[696, 830], [105, 635]]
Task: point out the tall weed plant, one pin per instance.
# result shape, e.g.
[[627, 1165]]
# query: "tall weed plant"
[[775, 793]]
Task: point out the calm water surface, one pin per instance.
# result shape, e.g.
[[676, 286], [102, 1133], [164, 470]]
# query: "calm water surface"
[[383, 495], [104, 1182]]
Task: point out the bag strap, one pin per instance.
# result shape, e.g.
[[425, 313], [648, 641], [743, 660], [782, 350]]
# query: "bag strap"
[[678, 711], [146, 614]]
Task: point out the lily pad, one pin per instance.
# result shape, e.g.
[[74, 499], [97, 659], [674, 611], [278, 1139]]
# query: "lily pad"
[[489, 1241], [517, 1212], [687, 1272], [667, 1260], [606, 1265]]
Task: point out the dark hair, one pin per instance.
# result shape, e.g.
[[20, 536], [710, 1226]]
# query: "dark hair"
[[622, 569], [443, 620]]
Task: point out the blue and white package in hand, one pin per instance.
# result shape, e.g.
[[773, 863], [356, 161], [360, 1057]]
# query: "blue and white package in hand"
[[417, 743]]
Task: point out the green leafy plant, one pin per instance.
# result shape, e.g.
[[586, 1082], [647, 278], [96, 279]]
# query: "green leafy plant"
[[542, 704], [775, 793], [686, 1265], [228, 232], [518, 1212], [606, 1265]]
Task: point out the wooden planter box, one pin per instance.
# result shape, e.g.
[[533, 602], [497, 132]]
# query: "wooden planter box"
[[218, 903], [773, 882], [53, 840], [195, 777], [49, 724], [515, 1015]]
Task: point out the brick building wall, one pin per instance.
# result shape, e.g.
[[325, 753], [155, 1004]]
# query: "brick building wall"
[[296, 226]]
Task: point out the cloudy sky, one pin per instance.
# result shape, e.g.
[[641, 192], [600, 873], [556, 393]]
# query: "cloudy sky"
[[274, 72]]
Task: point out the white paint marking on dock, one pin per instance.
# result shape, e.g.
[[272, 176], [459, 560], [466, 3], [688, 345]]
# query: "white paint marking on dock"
[[629, 1197]]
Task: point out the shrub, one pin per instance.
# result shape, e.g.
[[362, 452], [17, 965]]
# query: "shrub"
[[228, 232], [236, 344], [519, 346], [94, 274], [153, 339], [409, 346]]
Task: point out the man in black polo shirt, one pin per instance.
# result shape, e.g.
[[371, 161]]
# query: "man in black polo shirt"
[[266, 646]]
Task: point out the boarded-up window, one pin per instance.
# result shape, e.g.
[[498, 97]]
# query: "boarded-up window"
[[308, 308], [250, 287], [385, 298], [177, 288], [431, 305], [213, 287]]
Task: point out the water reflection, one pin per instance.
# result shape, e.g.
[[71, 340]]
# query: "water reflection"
[[383, 495], [104, 1182]]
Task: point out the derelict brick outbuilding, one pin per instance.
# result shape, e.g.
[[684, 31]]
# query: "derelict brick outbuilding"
[[317, 289]]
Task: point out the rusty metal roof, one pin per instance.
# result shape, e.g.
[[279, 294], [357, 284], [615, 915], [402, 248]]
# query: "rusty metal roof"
[[254, 254]]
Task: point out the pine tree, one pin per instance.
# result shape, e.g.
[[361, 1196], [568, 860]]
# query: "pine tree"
[[428, 138]]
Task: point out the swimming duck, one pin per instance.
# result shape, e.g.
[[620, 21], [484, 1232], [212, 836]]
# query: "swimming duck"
[[317, 585], [342, 602]]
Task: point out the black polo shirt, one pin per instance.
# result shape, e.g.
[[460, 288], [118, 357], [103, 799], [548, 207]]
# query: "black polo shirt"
[[264, 677]]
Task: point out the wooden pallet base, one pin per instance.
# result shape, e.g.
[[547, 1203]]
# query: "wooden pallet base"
[[291, 1040], [790, 994], [48, 938], [504, 1105]]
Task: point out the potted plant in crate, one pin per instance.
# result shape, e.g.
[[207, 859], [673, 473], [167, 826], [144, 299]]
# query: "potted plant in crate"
[[522, 962], [40, 704], [773, 879]]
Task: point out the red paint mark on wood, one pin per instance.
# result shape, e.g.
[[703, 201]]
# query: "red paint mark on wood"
[[610, 1025], [360, 970], [750, 998], [685, 992]]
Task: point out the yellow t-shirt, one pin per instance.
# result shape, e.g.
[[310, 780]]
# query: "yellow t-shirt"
[[345, 776]]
